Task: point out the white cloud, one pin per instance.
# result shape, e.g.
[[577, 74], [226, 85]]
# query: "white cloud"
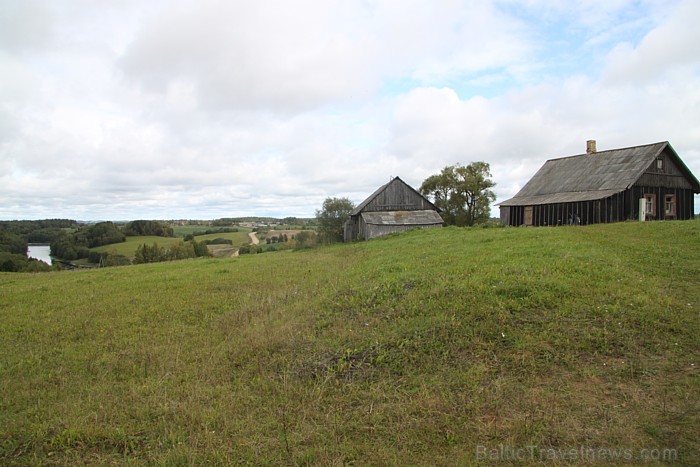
[[667, 49], [221, 108]]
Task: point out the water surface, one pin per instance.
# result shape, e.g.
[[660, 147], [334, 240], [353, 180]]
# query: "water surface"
[[40, 252]]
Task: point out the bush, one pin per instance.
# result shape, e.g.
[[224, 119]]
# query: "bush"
[[219, 241], [116, 260], [249, 250], [305, 240], [13, 262], [97, 257]]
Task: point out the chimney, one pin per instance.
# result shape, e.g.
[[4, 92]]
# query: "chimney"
[[590, 146]]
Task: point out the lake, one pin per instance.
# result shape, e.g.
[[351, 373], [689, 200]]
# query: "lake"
[[40, 252]]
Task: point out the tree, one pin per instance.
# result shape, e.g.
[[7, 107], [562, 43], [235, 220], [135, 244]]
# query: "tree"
[[304, 239], [12, 243], [331, 217], [463, 193], [102, 233]]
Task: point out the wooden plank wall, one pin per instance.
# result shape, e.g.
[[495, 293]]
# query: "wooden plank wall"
[[397, 197]]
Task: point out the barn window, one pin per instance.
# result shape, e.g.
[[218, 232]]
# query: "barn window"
[[670, 205], [650, 205], [660, 164]]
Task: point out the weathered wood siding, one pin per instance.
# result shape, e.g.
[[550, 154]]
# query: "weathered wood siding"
[[621, 207], [393, 207], [351, 229], [685, 202], [397, 197], [373, 231], [667, 176]]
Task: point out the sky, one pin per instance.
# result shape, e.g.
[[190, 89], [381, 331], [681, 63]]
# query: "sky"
[[202, 109]]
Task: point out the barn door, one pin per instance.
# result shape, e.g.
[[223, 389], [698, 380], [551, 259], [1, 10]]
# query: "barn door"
[[528, 215]]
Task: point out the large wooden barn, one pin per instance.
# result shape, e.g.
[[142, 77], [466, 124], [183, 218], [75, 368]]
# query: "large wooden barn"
[[393, 207], [648, 182]]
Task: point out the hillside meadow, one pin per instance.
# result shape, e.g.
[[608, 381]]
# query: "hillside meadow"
[[128, 247], [434, 347]]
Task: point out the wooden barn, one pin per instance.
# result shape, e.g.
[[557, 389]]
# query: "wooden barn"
[[647, 182], [394, 207]]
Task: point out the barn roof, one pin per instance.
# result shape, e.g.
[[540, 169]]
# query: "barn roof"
[[425, 217], [358, 209], [588, 177]]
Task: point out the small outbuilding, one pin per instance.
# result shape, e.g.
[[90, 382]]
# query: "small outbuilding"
[[648, 182], [393, 207]]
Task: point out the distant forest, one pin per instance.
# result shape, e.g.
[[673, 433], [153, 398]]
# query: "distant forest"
[[16, 235]]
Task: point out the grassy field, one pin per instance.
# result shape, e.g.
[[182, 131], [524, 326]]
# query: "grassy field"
[[128, 248], [436, 347], [182, 230]]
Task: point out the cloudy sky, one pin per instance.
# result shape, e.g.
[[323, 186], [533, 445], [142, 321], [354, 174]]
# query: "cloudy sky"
[[121, 109]]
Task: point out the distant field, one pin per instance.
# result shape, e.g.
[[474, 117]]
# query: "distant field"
[[182, 230], [128, 248], [238, 238], [434, 347], [294, 227]]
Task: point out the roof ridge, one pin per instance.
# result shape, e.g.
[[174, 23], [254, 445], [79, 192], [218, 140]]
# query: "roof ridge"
[[608, 150]]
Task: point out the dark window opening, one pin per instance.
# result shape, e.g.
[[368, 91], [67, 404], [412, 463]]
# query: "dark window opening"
[[670, 205], [660, 164], [650, 206]]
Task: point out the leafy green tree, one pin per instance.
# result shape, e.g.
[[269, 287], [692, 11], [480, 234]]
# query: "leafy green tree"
[[13, 262], [249, 250], [200, 249], [12, 243], [102, 233], [43, 235], [181, 250], [64, 247], [113, 259], [463, 193], [305, 239], [150, 254], [331, 217], [440, 187]]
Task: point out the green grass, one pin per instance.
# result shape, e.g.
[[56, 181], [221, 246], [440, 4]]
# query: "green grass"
[[420, 348], [182, 230], [128, 248], [238, 238]]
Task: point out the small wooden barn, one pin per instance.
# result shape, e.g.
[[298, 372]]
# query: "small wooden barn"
[[393, 207], [648, 182]]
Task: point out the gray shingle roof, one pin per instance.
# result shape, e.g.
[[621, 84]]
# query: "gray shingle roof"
[[427, 217], [588, 177]]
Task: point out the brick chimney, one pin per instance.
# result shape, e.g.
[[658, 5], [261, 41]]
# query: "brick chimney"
[[590, 147]]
